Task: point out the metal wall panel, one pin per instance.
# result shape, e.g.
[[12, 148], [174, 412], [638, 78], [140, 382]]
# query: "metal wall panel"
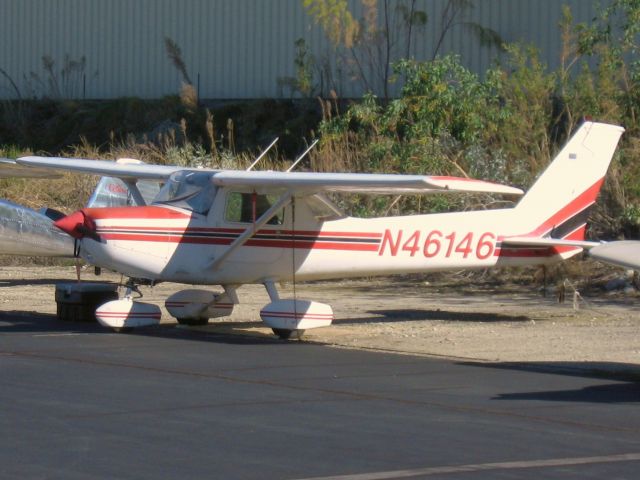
[[232, 48]]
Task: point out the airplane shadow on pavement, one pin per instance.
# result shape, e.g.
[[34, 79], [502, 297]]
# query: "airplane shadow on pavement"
[[19, 282], [608, 393], [14, 321], [626, 388], [404, 315]]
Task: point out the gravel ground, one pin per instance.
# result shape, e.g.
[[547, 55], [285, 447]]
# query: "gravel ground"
[[512, 323]]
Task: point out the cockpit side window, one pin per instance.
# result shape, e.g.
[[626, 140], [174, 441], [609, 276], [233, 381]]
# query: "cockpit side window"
[[240, 208]]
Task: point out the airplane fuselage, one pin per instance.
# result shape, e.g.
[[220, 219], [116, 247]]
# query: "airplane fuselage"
[[24, 231], [171, 244]]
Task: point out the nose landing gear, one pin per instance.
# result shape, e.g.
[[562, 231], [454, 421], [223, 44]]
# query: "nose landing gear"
[[124, 314]]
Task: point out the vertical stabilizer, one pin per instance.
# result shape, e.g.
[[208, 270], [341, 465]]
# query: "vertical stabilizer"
[[558, 203]]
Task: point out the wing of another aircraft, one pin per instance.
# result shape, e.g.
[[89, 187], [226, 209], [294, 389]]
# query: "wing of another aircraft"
[[622, 253], [100, 167], [24, 231], [9, 168], [306, 183]]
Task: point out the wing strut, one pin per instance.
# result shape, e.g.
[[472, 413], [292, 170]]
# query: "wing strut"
[[262, 154], [135, 193], [283, 201], [304, 154]]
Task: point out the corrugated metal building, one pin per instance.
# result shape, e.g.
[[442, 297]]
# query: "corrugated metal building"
[[232, 48]]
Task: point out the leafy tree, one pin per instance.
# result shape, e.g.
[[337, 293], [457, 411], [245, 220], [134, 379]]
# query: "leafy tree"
[[455, 15], [369, 46], [303, 81]]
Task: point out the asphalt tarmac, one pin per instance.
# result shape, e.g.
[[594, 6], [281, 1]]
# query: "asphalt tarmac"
[[78, 402]]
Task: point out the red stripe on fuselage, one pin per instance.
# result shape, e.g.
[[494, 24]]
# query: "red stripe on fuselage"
[[236, 231], [254, 242], [128, 315], [312, 245]]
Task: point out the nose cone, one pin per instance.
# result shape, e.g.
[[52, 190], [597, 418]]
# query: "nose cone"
[[78, 225]]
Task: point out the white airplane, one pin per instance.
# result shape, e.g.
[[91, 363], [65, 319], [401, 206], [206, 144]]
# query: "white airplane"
[[228, 228]]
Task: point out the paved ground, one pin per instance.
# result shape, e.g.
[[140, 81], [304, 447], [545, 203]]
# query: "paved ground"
[[482, 384], [77, 402], [455, 318]]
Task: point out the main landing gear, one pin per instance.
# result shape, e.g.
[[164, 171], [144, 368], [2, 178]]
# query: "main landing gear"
[[195, 307], [289, 316]]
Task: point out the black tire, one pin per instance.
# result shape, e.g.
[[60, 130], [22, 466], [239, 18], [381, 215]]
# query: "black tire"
[[192, 322], [282, 333], [122, 329]]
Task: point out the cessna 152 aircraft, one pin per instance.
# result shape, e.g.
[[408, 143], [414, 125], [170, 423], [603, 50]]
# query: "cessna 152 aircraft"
[[228, 228]]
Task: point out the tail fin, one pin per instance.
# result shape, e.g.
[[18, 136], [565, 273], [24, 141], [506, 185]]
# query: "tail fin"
[[558, 203]]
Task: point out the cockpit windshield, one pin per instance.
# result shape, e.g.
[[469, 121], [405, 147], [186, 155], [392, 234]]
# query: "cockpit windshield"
[[189, 190]]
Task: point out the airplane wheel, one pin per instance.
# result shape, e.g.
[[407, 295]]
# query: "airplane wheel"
[[192, 321], [282, 333], [285, 334], [123, 329]]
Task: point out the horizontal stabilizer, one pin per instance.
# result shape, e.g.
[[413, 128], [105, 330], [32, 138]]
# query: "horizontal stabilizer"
[[546, 242]]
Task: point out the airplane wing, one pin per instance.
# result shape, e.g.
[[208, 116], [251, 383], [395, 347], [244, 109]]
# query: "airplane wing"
[[622, 253], [314, 182], [297, 182], [9, 168], [101, 167]]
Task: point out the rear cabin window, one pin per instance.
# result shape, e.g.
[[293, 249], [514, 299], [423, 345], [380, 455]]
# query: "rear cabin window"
[[240, 208]]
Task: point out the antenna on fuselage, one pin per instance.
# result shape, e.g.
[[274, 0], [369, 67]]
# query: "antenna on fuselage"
[[262, 154], [304, 154]]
